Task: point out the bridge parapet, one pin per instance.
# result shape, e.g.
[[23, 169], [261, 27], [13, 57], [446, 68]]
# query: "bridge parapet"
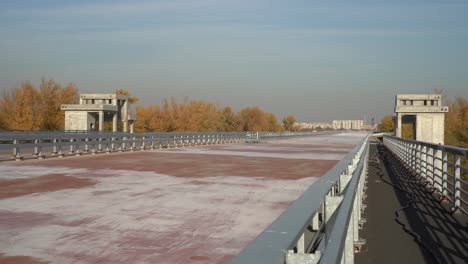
[[321, 226], [439, 166], [16, 145]]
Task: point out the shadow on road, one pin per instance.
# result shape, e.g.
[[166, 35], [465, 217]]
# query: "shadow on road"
[[441, 235]]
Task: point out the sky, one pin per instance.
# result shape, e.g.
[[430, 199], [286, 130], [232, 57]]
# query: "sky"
[[316, 60]]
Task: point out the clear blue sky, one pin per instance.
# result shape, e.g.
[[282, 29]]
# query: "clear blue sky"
[[317, 60]]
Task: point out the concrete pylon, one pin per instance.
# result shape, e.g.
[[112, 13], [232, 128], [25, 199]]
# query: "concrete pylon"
[[125, 116], [425, 112], [101, 121], [114, 123]]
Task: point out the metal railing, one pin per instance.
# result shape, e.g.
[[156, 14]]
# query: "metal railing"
[[440, 166], [322, 225], [39, 144]]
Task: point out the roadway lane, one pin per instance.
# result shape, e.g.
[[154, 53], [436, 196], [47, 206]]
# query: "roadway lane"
[[197, 204]]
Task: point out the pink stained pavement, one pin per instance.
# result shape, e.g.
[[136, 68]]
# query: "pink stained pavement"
[[184, 205]]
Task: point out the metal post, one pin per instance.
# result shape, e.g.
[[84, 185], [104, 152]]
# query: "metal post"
[[72, 147], [86, 147], [418, 159], [143, 145], [438, 170], [424, 159], [430, 164], [16, 149], [36, 148], [457, 181], [444, 172], [100, 144], [54, 147]]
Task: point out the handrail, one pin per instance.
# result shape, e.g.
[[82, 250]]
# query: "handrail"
[[451, 149], [288, 239], [431, 162], [14, 144]]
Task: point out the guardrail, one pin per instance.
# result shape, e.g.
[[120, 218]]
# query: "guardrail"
[[440, 166], [39, 144], [322, 225]]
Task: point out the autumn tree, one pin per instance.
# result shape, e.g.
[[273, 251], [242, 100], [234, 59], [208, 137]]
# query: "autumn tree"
[[18, 107], [148, 119], [386, 124], [197, 115], [28, 108], [456, 123], [230, 120], [272, 122], [51, 97], [131, 98], [288, 122], [407, 131], [253, 119]]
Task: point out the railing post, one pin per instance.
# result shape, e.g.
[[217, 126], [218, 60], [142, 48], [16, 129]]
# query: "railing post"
[[430, 164], [59, 148], [133, 145], [77, 146], [86, 145], [424, 160], [72, 147], [36, 147], [418, 159], [143, 144], [457, 175], [348, 252], [444, 173], [100, 144], [16, 150], [54, 147], [112, 144], [438, 170]]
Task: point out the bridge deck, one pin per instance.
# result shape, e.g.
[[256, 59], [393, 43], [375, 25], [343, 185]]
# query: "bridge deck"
[[406, 223], [197, 204]]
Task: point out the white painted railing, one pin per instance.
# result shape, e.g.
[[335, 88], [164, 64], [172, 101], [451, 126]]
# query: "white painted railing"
[[322, 225], [440, 166]]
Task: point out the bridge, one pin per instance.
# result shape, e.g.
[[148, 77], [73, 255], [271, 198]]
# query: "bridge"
[[327, 197]]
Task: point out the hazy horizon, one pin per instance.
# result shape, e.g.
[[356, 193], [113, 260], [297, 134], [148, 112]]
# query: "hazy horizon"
[[317, 60]]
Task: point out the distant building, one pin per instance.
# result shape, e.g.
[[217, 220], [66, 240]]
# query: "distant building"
[[314, 125], [348, 124], [98, 107]]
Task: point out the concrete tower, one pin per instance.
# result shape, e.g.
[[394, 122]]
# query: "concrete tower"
[[94, 107], [425, 112]]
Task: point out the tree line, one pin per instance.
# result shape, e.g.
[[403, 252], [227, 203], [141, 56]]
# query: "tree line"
[[196, 115], [27, 107]]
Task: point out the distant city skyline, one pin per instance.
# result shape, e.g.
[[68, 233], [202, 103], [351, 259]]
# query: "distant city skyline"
[[316, 60]]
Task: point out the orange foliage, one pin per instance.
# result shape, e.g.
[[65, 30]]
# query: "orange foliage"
[[197, 115], [28, 108]]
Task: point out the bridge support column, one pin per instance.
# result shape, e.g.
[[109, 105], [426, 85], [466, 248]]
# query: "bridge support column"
[[114, 122], [125, 116], [398, 126], [101, 121]]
